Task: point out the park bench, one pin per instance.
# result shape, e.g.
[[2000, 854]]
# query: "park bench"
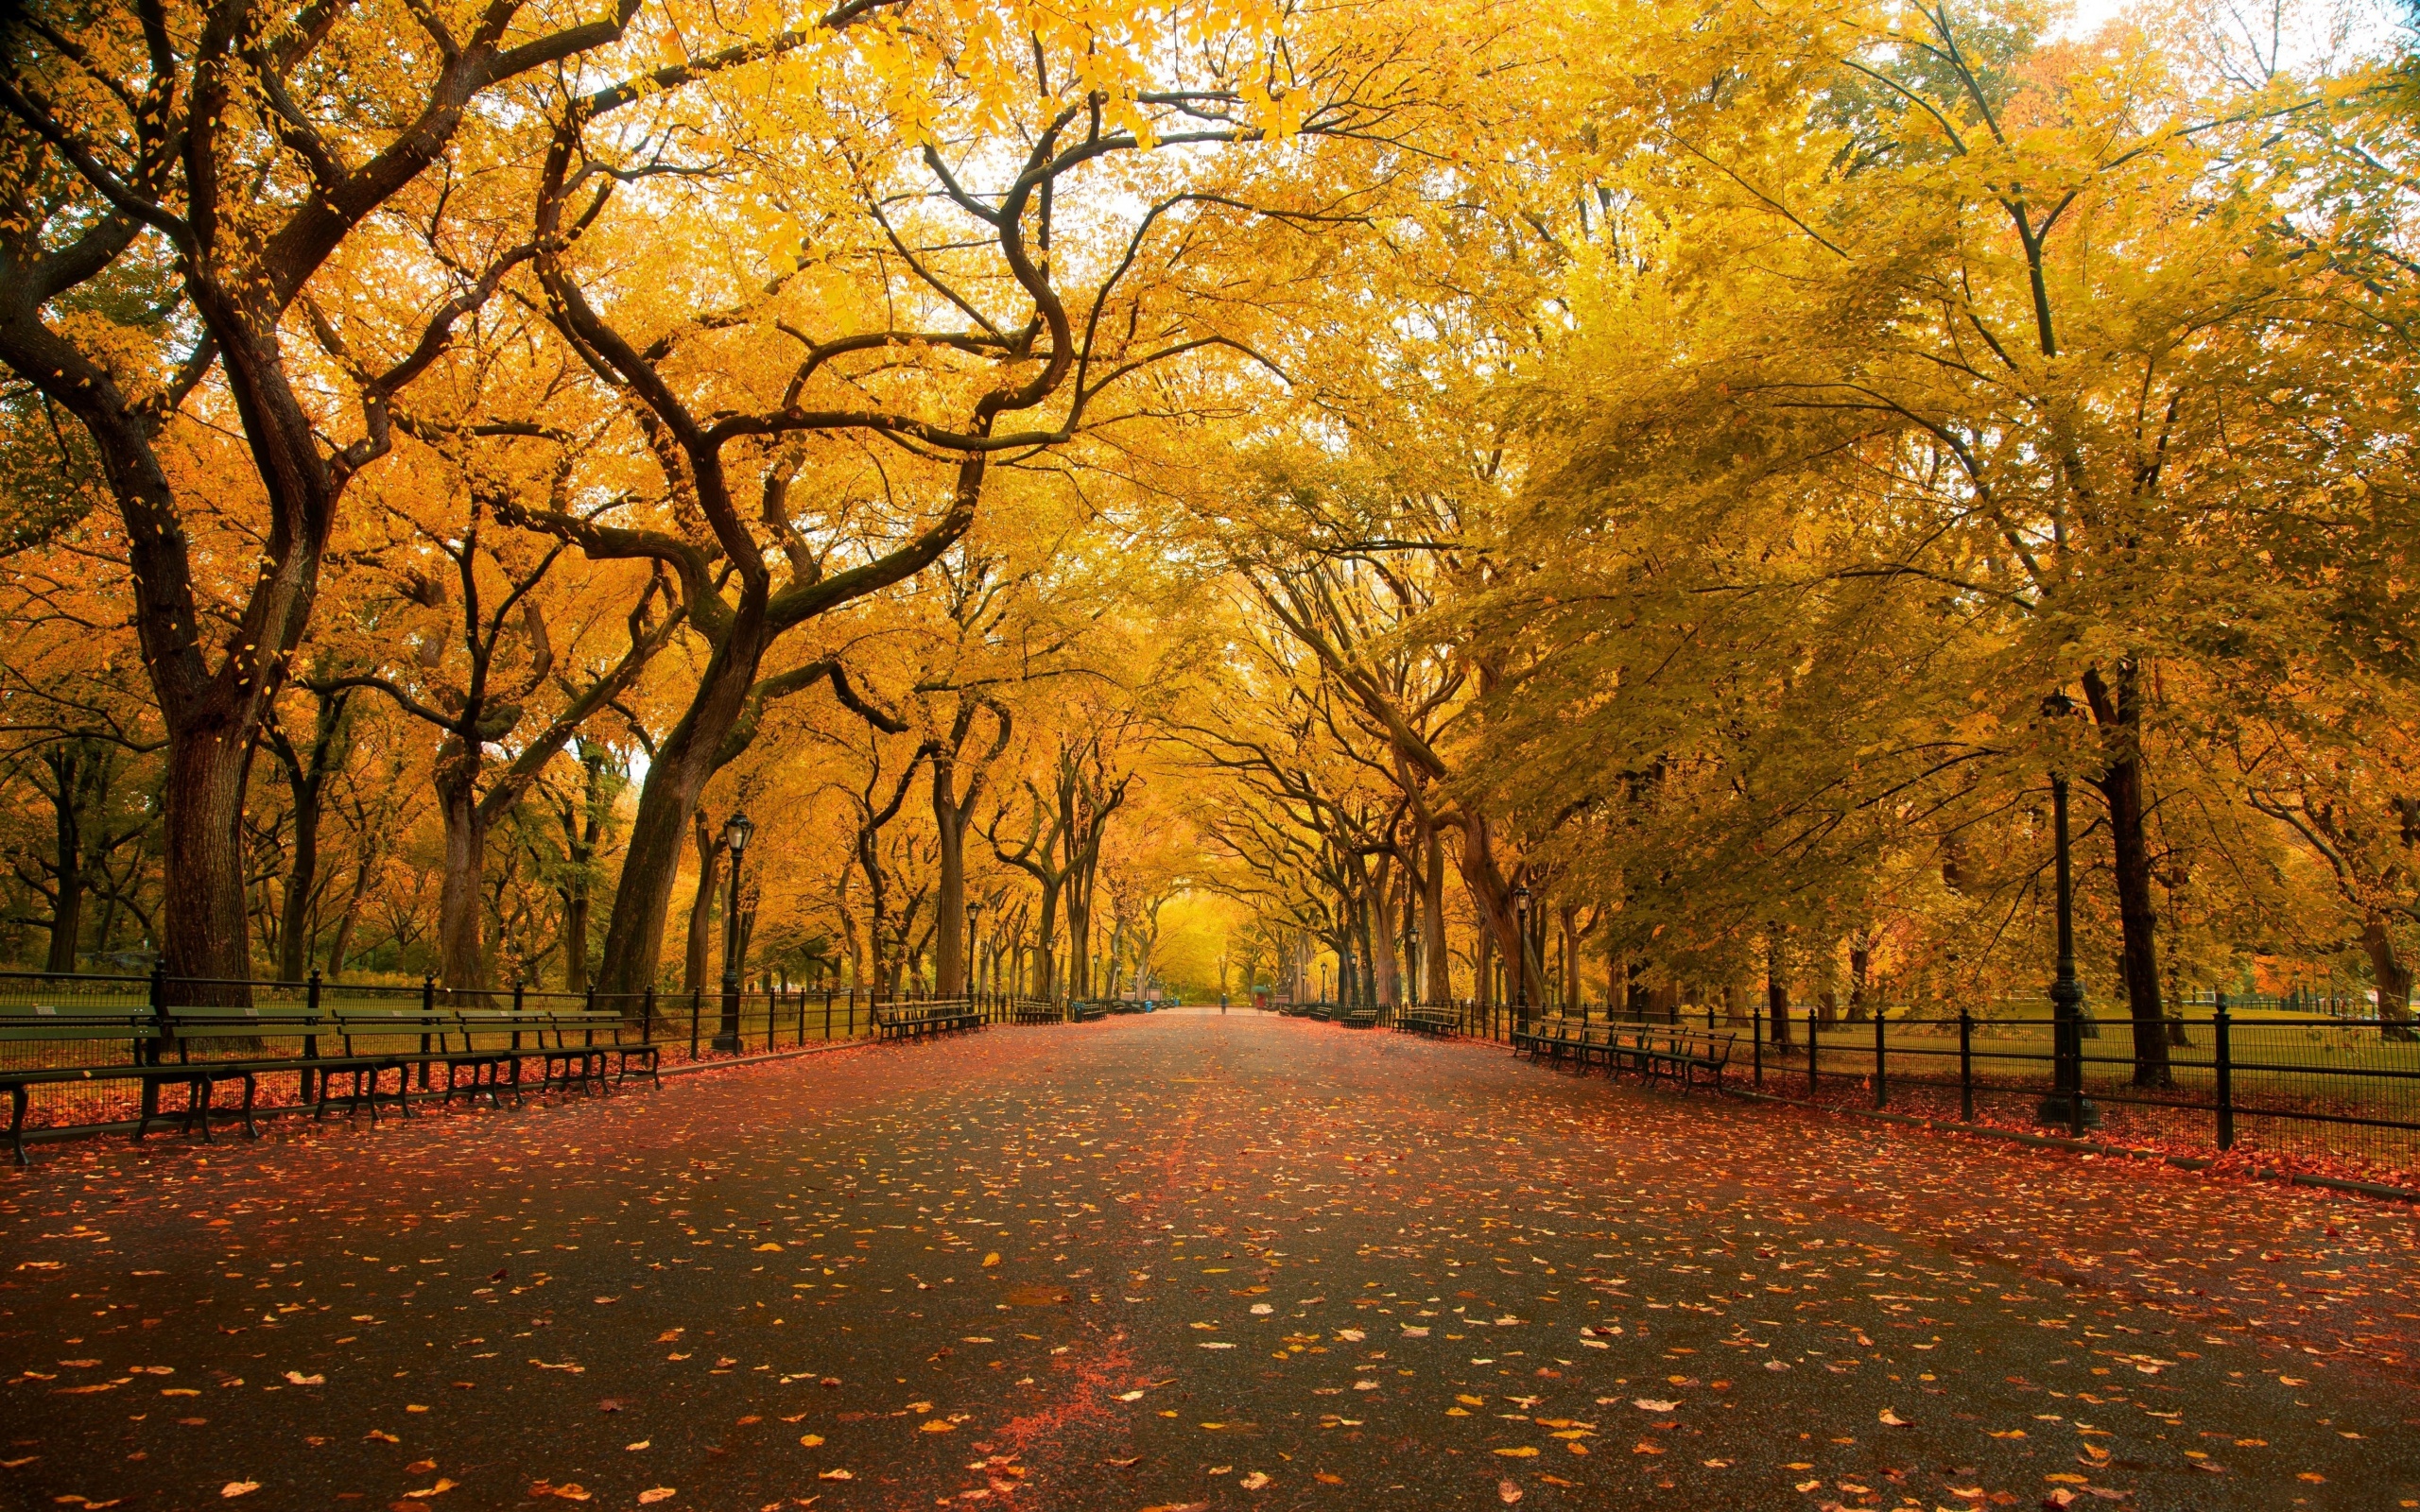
[[1086, 1012], [1425, 1021], [62, 1033], [224, 1037], [915, 1020], [1546, 1037], [1680, 1053], [1359, 1017], [1036, 1013]]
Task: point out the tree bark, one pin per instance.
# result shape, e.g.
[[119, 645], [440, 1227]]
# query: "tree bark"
[[1777, 984], [949, 926], [2393, 980], [1491, 897], [2117, 710], [67, 771], [462, 958], [701, 906], [203, 914]]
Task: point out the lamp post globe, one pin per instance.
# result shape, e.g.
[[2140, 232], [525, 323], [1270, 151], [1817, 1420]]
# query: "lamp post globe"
[[736, 831]]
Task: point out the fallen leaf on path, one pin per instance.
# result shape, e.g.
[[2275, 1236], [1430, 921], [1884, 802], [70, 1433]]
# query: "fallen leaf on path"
[[1519, 1452], [1644, 1405], [239, 1487], [1253, 1481], [442, 1486], [301, 1380], [658, 1493], [1892, 1419], [1508, 1491]]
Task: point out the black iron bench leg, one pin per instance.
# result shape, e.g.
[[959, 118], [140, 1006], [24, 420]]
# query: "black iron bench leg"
[[17, 1099], [198, 1104]]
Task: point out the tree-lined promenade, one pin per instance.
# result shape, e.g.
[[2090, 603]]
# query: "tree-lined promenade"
[[1187, 1260]]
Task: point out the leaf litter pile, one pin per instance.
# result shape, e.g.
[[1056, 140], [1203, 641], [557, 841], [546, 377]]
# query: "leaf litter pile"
[[1185, 1262]]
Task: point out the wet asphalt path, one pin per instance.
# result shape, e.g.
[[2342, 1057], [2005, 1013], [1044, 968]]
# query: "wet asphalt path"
[[1178, 1262]]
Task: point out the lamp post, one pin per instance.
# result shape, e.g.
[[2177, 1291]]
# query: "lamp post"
[[2066, 1104], [1521, 955], [735, 832], [1323, 981]]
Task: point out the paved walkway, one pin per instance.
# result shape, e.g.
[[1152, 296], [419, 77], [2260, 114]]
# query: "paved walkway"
[[1186, 1262]]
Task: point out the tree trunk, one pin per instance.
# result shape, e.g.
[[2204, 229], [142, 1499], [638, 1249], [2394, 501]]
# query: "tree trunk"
[[2394, 978], [949, 825], [1567, 957], [1435, 957], [675, 779], [2119, 712], [576, 936], [1080, 940], [702, 909], [1860, 971], [462, 965], [202, 913], [67, 896], [1491, 899], [1777, 984], [301, 877], [341, 941], [1045, 946]]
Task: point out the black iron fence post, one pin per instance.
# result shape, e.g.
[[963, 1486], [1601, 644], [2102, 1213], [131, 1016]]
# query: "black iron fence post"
[[697, 1006], [159, 1018], [827, 1015], [427, 1016], [1756, 1047], [2222, 1055], [518, 1006], [1880, 1095], [310, 1041], [1811, 1048], [1965, 1067], [646, 1007], [150, 1093]]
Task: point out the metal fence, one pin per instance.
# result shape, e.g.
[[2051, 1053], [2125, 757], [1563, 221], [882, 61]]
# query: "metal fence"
[[2312, 1083], [51, 1022]]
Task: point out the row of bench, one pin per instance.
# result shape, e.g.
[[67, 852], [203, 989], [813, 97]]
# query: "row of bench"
[[1332, 1013], [913, 1020], [202, 1049], [1651, 1051]]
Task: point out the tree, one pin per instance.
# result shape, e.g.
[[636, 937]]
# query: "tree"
[[179, 181]]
